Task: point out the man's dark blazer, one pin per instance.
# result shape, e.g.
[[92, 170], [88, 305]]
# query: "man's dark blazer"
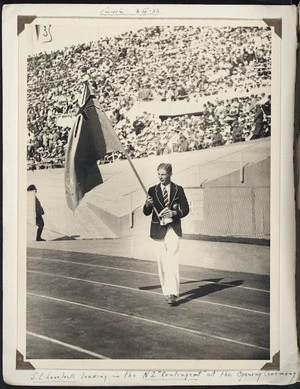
[[178, 202]]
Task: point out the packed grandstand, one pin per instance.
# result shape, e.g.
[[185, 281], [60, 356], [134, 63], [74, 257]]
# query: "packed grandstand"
[[223, 72]]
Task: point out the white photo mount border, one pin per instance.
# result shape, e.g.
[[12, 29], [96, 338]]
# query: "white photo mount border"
[[274, 24], [274, 363]]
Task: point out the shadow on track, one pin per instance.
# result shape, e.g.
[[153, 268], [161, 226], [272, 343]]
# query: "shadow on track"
[[201, 291], [152, 287], [205, 290], [66, 237]]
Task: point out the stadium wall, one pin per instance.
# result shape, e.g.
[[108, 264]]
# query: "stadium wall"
[[194, 105], [236, 205], [121, 229], [117, 224], [226, 231], [255, 175]]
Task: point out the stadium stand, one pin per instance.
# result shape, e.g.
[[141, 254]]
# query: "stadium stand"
[[157, 64]]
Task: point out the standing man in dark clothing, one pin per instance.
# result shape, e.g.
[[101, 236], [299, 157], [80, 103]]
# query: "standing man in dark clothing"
[[258, 121], [38, 212], [167, 203], [267, 106]]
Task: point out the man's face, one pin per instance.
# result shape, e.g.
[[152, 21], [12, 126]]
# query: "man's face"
[[164, 177]]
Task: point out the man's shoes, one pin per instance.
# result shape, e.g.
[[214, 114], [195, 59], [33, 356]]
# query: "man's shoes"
[[41, 240], [171, 299]]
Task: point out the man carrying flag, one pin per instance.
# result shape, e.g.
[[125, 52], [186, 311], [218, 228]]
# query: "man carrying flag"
[[91, 138], [167, 204]]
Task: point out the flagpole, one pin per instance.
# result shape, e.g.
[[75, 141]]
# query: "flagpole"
[[138, 177], [86, 82], [136, 173]]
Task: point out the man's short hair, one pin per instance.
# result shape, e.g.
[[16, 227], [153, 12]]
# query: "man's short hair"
[[166, 166], [31, 187]]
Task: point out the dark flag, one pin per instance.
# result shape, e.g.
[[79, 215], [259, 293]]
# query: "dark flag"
[[91, 137]]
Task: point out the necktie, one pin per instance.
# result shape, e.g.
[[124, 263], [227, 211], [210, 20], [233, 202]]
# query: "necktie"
[[166, 197]]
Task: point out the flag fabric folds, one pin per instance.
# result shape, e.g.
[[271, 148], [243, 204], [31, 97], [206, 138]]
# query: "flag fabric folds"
[[91, 137]]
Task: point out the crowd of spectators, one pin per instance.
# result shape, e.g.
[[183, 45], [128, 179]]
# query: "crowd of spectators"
[[155, 63], [221, 122], [47, 148]]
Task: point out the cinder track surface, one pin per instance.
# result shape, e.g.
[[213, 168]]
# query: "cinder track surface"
[[89, 306]]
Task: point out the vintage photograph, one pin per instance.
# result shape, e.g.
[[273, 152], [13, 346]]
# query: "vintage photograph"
[[148, 188], [148, 197]]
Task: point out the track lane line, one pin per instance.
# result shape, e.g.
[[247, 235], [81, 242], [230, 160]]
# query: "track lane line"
[[142, 272], [203, 334], [145, 291], [67, 345]]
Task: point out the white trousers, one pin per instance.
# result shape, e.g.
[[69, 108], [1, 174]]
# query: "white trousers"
[[167, 254]]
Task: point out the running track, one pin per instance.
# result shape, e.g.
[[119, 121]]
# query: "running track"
[[88, 306]]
